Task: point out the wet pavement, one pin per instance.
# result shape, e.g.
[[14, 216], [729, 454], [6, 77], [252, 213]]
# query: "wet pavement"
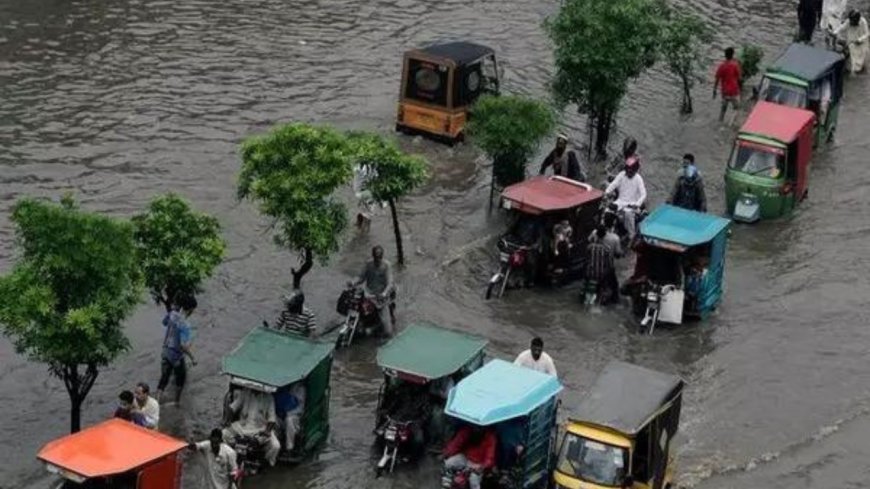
[[121, 100]]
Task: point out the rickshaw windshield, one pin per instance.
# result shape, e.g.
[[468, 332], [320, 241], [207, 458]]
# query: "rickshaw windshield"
[[427, 82], [592, 461], [756, 159], [782, 93]]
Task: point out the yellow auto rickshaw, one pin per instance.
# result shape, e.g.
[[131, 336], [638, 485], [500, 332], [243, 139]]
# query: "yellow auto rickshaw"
[[622, 434], [439, 83]]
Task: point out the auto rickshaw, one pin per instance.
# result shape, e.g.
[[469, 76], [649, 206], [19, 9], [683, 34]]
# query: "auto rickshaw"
[[421, 364], [520, 405], [440, 83], [768, 169], [115, 454], [680, 265], [275, 363], [806, 77], [552, 218], [622, 432]]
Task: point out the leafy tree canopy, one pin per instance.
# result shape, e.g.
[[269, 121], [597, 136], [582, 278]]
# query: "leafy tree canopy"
[[510, 125], [599, 46], [75, 281], [292, 173], [395, 173], [177, 247]]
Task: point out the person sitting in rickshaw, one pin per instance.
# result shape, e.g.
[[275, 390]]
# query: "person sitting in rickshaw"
[[564, 161], [562, 233], [697, 273], [256, 418], [600, 267], [630, 193], [289, 407], [473, 448], [510, 448]]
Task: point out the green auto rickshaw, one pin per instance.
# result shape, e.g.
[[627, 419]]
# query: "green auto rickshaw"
[[283, 367], [768, 171], [806, 77]]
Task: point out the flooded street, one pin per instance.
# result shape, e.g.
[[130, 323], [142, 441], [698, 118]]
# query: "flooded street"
[[120, 100]]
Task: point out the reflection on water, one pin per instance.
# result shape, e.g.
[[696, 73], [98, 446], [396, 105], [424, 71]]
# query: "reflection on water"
[[119, 100]]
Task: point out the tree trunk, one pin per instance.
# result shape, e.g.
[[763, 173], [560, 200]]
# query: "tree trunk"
[[399, 249], [687, 96], [307, 262], [603, 124], [78, 385]]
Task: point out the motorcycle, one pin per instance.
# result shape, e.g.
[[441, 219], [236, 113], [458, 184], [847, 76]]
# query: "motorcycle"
[[653, 294], [610, 213], [396, 434], [250, 456], [359, 309], [512, 259]]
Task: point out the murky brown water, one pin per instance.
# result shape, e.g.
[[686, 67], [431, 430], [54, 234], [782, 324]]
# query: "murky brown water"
[[120, 100]]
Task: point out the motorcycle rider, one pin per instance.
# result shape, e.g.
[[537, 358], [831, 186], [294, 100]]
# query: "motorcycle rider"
[[378, 279], [630, 193], [220, 460], [563, 161], [688, 190], [855, 33]]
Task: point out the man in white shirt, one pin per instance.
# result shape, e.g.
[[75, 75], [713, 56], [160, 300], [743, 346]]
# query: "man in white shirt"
[[257, 417], [630, 193], [535, 358], [220, 460], [146, 405]]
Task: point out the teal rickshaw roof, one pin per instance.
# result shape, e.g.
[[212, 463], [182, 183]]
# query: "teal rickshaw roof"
[[682, 226], [274, 358], [500, 391], [430, 352]]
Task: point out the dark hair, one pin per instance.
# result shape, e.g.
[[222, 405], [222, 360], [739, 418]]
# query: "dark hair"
[[126, 396], [217, 433], [600, 231], [187, 303], [689, 157], [378, 249], [537, 341], [145, 387], [729, 53]]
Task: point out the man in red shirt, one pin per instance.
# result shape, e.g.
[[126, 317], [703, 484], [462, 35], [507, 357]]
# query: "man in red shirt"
[[472, 448], [728, 75]]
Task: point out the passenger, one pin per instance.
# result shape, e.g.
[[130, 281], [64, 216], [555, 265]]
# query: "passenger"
[[146, 405], [833, 13], [176, 345], [125, 409], [257, 418], [289, 407], [378, 279], [562, 233], [809, 16], [536, 358], [472, 449], [855, 33], [220, 460], [728, 75], [511, 439], [563, 161], [688, 190], [630, 193], [695, 277], [600, 267], [296, 317]]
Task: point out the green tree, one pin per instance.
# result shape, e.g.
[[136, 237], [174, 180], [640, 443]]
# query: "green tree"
[[292, 173], [682, 39], [509, 129], [394, 174], [75, 280], [750, 60], [177, 248], [601, 45]]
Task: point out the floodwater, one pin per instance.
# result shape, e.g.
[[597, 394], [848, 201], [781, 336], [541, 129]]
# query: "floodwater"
[[120, 100]]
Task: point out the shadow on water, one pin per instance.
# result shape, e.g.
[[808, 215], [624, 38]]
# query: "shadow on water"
[[118, 101]]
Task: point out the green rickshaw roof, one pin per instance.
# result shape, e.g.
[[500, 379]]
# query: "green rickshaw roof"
[[807, 62], [428, 351], [274, 358]]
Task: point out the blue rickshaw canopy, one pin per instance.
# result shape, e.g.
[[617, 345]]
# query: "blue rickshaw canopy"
[[682, 226]]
